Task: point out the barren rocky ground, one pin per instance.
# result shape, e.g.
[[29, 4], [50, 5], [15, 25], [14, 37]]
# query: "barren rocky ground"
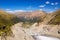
[[20, 33]]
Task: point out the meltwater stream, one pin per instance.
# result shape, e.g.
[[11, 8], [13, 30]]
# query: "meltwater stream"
[[36, 37]]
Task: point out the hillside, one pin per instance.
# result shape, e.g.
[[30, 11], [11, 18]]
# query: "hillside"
[[6, 21], [56, 19]]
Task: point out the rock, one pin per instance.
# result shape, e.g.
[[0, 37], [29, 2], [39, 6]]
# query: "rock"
[[19, 34]]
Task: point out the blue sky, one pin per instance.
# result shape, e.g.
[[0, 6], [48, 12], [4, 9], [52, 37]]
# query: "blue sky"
[[28, 5]]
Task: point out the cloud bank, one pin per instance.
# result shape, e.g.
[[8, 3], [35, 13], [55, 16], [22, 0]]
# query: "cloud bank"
[[14, 11]]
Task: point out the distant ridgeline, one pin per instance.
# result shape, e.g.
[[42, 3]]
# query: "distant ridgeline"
[[7, 19]]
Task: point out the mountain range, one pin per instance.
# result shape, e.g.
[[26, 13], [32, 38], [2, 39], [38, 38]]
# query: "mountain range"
[[40, 17], [32, 17]]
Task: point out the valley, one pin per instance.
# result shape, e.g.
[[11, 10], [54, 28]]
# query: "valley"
[[27, 25]]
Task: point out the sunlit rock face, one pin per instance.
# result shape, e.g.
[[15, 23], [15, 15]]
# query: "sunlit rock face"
[[44, 38]]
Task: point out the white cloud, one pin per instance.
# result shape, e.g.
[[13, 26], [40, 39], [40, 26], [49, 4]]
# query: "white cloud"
[[23, 11], [56, 3], [52, 3], [42, 6], [10, 11], [7, 9], [47, 2], [19, 10]]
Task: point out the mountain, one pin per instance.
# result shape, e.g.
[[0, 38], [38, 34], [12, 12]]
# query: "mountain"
[[27, 18], [56, 19], [35, 16]]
